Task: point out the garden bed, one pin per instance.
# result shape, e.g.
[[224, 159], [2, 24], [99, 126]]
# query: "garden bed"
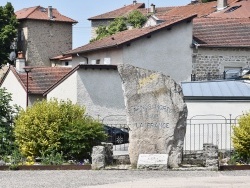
[[49, 167], [234, 167]]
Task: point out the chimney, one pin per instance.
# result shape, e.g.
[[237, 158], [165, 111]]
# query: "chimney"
[[152, 8], [50, 14], [221, 4], [20, 62], [134, 2]]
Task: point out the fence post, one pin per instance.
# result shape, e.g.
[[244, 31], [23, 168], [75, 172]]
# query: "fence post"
[[230, 124], [224, 75]]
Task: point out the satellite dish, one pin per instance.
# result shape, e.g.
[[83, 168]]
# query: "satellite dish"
[[12, 56]]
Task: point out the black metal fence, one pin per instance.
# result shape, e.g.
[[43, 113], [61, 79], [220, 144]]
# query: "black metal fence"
[[200, 129], [215, 129], [118, 132]]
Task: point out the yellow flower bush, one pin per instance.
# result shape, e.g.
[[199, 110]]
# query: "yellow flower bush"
[[241, 137]]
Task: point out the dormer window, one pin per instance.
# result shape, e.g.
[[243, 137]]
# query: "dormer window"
[[232, 9]]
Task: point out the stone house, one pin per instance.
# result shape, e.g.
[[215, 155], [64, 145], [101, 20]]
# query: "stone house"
[[153, 48], [105, 18], [221, 37], [43, 33], [222, 41]]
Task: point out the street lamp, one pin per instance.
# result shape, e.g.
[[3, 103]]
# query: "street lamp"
[[27, 70]]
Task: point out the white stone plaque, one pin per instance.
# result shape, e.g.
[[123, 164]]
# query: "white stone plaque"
[[153, 159]]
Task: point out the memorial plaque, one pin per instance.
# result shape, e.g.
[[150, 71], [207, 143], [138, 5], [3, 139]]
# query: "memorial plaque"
[[156, 113], [151, 159]]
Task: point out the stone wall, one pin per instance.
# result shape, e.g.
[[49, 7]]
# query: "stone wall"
[[43, 40], [214, 60], [95, 24]]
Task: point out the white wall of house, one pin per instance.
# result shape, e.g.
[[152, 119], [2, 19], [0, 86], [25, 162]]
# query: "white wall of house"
[[16, 90], [66, 90], [114, 55], [211, 122], [167, 51], [100, 91], [223, 108]]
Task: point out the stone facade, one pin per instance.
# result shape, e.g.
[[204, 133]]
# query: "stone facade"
[[41, 40], [215, 60], [95, 24]]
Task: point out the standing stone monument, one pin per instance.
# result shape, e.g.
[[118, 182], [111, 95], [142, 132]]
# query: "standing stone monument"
[[156, 114]]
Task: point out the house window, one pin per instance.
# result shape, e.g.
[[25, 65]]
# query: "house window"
[[106, 61], [232, 72], [95, 61], [20, 35], [66, 63]]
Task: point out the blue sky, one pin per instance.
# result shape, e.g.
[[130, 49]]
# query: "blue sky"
[[81, 10]]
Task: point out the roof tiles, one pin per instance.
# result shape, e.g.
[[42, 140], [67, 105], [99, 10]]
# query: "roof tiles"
[[42, 78], [119, 12], [41, 13], [222, 32], [239, 9], [126, 36]]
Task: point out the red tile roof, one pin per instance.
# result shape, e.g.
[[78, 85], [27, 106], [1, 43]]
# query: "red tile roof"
[[239, 9], [62, 57], [201, 9], [41, 78], [124, 11], [41, 13], [127, 36], [119, 12], [222, 32]]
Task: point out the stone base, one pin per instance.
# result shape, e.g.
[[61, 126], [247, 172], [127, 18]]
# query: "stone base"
[[152, 167]]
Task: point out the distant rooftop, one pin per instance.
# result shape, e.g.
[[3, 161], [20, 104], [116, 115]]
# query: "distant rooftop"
[[41, 13]]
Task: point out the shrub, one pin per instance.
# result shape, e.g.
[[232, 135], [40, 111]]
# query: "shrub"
[[7, 115], [57, 127], [241, 137]]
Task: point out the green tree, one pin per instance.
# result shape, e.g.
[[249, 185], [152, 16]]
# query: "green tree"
[[135, 19], [118, 25], [241, 137], [8, 31], [7, 115], [57, 127]]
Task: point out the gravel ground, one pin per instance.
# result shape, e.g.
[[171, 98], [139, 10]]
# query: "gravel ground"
[[121, 178]]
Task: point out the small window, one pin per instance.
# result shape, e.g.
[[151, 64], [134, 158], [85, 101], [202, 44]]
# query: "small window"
[[95, 61], [232, 72], [20, 35], [106, 61], [232, 9], [66, 63]]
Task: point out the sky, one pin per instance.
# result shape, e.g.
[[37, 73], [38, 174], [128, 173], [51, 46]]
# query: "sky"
[[81, 10]]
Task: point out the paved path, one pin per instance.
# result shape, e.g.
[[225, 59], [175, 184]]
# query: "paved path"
[[123, 179]]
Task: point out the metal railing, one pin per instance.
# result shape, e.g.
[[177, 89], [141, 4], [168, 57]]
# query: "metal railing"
[[200, 129], [215, 129]]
